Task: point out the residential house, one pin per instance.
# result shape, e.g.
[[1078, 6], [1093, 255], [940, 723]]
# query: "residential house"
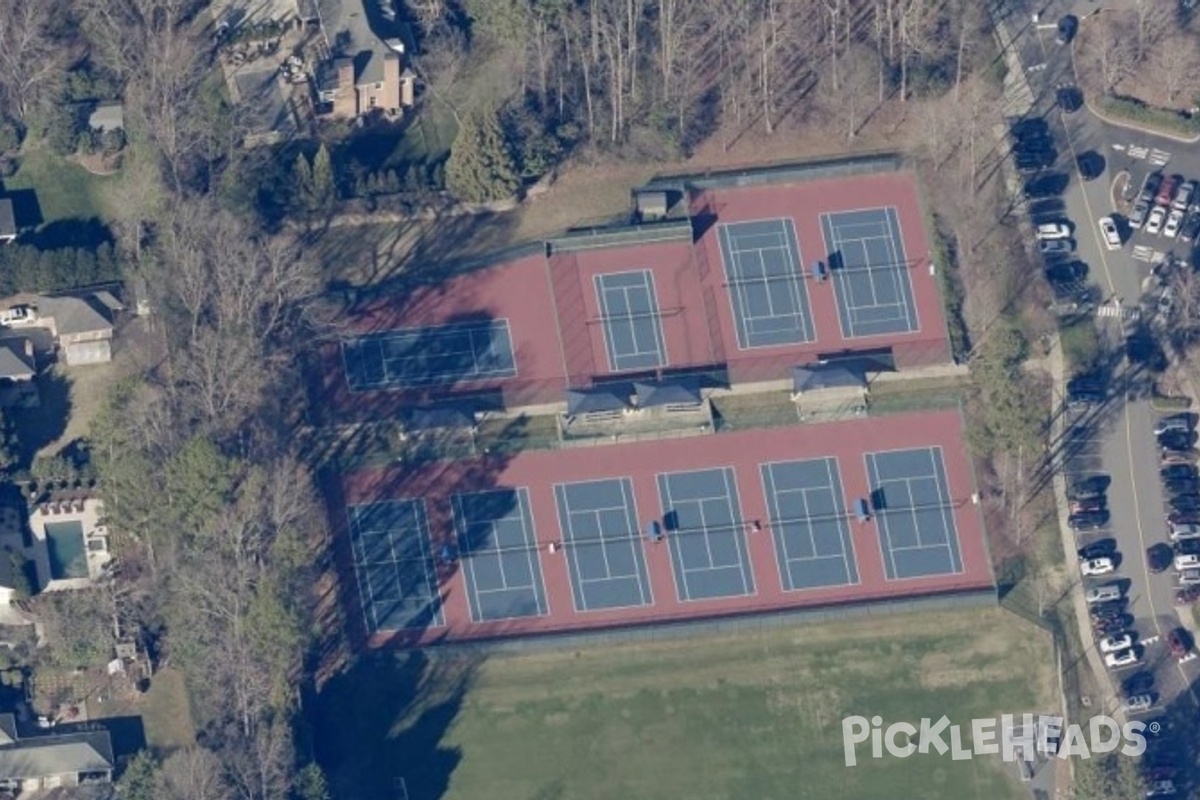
[[365, 72], [47, 761], [70, 542], [8, 221], [18, 368], [79, 327]]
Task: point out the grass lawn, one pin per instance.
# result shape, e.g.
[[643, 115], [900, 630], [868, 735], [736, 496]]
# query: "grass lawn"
[[748, 715], [65, 190]]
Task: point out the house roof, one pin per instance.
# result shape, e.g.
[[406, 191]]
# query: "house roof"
[[348, 33], [810, 377], [8, 220], [74, 314], [108, 117], [8, 729], [14, 363], [672, 392], [39, 756], [595, 401]]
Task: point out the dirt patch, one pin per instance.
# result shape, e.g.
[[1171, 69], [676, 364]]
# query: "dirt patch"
[[98, 163]]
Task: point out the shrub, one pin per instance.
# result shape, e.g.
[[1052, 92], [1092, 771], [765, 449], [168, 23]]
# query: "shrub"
[[1129, 109], [11, 135]]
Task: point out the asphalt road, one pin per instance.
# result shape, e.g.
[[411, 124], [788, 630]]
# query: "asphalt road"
[[1117, 439]]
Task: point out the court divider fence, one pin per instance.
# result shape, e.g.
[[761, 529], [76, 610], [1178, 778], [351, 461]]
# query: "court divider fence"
[[754, 621]]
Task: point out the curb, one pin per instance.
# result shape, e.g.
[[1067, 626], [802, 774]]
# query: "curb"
[[1133, 126]]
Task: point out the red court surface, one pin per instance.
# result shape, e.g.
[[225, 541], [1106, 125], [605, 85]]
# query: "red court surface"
[[642, 463], [558, 330]]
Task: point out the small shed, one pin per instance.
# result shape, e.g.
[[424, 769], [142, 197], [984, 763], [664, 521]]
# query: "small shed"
[[675, 394], [650, 205], [598, 400], [108, 117]]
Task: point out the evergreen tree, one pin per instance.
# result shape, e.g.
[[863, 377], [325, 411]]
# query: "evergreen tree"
[[481, 166], [324, 186], [303, 183]]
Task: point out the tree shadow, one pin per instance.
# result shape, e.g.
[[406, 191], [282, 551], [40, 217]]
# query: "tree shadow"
[[384, 720], [87, 233], [38, 427]]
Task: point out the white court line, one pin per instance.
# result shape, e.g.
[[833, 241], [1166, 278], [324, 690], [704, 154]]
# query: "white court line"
[[944, 504], [416, 507], [886, 554], [733, 527], [641, 572], [730, 257], [737, 531], [835, 489]]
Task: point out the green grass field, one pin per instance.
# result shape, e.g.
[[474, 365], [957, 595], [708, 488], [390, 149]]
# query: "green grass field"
[[753, 715]]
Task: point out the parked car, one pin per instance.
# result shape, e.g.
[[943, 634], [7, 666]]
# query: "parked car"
[[1186, 547], [1113, 644], [1053, 230], [1112, 625], [1190, 228], [1107, 609], [1185, 502], [1189, 577], [1090, 504], [1138, 683], [1051, 184], [1177, 471], [1103, 566], [1150, 185], [1181, 456], [1138, 703], [1187, 561], [1088, 520], [1181, 486], [1104, 593], [1174, 220], [1066, 272], [1178, 441], [1056, 247], [1137, 216], [1187, 595], [1166, 191], [1184, 196], [1122, 658], [1098, 549], [1091, 486], [1154, 223], [1112, 237]]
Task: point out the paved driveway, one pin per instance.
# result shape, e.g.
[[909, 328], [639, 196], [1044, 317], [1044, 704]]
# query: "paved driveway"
[[1117, 439]]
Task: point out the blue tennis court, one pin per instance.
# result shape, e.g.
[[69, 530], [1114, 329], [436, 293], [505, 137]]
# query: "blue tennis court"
[[910, 496], [766, 283], [442, 355], [870, 272], [633, 334], [397, 580], [706, 534], [603, 549], [809, 523], [499, 556]]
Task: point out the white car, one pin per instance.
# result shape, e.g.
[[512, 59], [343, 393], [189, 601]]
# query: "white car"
[[1103, 594], [1114, 644], [1112, 238], [1122, 658], [1171, 230], [1103, 566], [1052, 230], [1154, 223], [1184, 196], [1189, 576], [1056, 247], [1184, 532], [1187, 561], [1139, 702]]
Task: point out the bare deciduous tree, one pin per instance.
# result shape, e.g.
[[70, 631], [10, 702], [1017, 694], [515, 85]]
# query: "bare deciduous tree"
[[1176, 65], [32, 63]]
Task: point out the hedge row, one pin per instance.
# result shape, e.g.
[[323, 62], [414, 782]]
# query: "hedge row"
[[1124, 108]]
